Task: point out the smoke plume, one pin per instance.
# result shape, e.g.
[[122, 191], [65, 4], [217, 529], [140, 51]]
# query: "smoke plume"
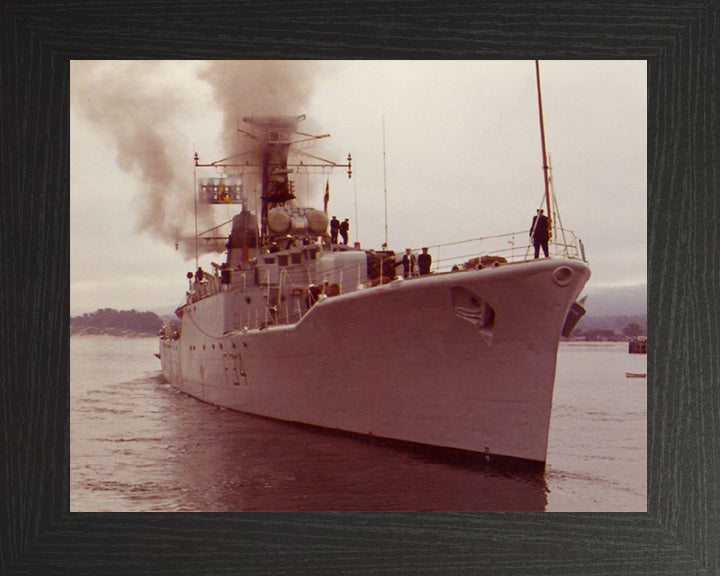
[[142, 107], [257, 88]]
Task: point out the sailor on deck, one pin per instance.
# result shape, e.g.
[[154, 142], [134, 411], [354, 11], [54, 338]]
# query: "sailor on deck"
[[539, 233], [424, 262], [334, 229], [408, 263], [344, 228]]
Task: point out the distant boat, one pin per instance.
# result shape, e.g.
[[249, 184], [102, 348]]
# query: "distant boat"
[[638, 345], [298, 327], [635, 375]]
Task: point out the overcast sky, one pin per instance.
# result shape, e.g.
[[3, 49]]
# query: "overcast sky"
[[463, 158]]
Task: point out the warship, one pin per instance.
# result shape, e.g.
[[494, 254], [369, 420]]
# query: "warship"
[[299, 326]]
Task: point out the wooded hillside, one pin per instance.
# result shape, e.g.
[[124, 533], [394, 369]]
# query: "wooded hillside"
[[107, 320]]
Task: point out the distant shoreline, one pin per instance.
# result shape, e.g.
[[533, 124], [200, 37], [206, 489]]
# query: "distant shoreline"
[[116, 332]]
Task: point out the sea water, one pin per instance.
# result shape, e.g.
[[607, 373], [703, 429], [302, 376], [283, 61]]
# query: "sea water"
[[137, 444]]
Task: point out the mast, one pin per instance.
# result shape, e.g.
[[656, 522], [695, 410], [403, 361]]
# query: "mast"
[[195, 197], [357, 224], [385, 183], [544, 151]]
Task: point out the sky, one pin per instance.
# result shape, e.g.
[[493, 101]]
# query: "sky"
[[452, 148]]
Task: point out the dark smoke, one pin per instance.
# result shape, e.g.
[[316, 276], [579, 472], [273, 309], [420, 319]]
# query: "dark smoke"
[[140, 108], [258, 88]]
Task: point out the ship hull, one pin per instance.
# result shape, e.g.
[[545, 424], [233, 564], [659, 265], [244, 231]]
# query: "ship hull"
[[462, 360]]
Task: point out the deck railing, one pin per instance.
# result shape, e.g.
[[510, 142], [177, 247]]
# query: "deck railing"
[[462, 255], [513, 247]]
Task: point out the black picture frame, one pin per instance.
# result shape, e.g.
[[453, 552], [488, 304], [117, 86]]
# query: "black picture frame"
[[680, 533]]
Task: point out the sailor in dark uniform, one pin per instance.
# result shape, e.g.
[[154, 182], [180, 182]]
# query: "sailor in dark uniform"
[[408, 264], [344, 228], [539, 233], [334, 229], [424, 262]]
